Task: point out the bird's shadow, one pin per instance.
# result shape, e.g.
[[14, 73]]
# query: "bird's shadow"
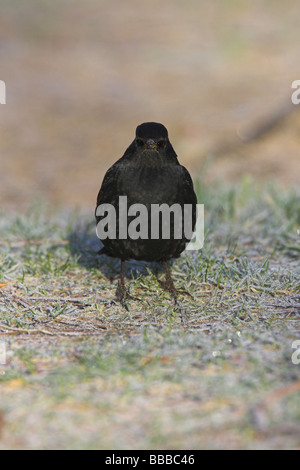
[[85, 246]]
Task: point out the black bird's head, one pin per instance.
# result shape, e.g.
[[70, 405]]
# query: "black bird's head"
[[151, 136]]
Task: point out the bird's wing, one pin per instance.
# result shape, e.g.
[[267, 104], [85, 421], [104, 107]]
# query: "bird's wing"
[[187, 186], [108, 184]]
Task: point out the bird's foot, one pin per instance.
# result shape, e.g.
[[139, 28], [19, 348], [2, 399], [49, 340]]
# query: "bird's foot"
[[123, 295], [169, 287], [177, 305], [185, 292]]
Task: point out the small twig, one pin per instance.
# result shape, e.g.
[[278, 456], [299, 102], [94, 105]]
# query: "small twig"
[[15, 330], [285, 306], [11, 299], [25, 330], [59, 299]]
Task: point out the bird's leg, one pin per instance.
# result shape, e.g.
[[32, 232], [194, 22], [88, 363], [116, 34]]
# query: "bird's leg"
[[169, 285], [121, 289], [122, 293]]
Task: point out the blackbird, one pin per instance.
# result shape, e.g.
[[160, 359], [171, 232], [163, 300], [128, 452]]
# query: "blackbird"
[[150, 175]]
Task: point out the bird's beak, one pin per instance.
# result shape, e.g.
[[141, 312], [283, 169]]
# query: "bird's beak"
[[151, 144]]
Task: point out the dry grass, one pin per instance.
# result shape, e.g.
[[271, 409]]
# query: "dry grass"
[[82, 372]]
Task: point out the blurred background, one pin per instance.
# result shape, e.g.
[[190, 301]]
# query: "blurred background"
[[81, 75]]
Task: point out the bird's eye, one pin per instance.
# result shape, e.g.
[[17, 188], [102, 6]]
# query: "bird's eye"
[[139, 142], [161, 143]]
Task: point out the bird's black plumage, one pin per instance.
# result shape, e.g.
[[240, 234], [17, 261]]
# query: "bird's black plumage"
[[148, 173]]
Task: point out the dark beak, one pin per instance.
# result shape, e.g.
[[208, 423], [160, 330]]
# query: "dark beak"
[[151, 144]]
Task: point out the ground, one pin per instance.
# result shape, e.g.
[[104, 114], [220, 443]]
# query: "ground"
[[79, 370], [217, 372]]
